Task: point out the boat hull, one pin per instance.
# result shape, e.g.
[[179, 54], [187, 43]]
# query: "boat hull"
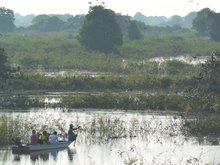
[[28, 148]]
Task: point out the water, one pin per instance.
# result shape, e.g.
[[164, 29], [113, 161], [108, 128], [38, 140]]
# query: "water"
[[133, 138]]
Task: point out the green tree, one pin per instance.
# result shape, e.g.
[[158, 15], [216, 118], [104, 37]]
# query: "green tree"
[[6, 20], [209, 77], [100, 31], [214, 31], [40, 18], [202, 22], [207, 23], [123, 22], [175, 20], [74, 23], [188, 19], [133, 31], [46, 23]]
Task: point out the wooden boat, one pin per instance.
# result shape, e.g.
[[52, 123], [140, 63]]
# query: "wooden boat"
[[28, 148]]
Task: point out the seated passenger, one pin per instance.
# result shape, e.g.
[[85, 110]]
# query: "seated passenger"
[[33, 137], [43, 138], [53, 138], [16, 141]]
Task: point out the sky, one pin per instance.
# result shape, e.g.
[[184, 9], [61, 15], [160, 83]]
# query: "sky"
[[126, 7]]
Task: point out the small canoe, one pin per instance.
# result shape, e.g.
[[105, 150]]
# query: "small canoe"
[[28, 148]]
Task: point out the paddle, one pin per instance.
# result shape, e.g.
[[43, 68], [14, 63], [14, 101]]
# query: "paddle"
[[76, 134]]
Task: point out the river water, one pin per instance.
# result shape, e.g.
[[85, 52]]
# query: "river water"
[[115, 137]]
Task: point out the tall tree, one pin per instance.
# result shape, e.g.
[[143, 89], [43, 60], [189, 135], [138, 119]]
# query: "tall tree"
[[100, 31], [207, 23], [133, 31], [175, 21], [209, 77], [214, 29], [40, 18], [74, 23], [45, 23], [202, 22], [6, 20]]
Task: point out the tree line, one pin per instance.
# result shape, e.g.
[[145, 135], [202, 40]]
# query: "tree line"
[[207, 23], [104, 30]]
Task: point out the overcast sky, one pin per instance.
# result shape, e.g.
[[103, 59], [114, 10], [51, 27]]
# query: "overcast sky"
[[125, 7]]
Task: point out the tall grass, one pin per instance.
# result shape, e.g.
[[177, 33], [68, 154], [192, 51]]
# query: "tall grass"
[[61, 50], [104, 128]]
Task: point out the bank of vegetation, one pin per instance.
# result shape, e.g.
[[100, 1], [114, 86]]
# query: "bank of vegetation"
[[155, 81], [130, 75], [57, 50]]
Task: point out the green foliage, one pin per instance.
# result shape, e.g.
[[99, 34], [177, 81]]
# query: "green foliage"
[[40, 18], [53, 50], [174, 67], [6, 20], [202, 22], [175, 21], [209, 77], [4, 68], [4, 130], [123, 22], [44, 23], [3, 58], [100, 31], [74, 23], [135, 81], [214, 28], [157, 46], [172, 102], [203, 126], [133, 31], [207, 24]]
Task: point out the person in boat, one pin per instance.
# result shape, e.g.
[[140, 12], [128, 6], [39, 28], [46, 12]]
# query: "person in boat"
[[33, 137], [16, 141], [71, 133], [53, 139], [43, 138]]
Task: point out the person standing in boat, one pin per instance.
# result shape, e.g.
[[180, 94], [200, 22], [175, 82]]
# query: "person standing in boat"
[[71, 134], [53, 139], [33, 137]]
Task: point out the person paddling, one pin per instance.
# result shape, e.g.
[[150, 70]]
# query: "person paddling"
[[71, 134]]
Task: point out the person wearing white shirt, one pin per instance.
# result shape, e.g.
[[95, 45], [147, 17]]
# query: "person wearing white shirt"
[[53, 138]]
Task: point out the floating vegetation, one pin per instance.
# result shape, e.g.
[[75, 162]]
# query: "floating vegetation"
[[203, 126], [114, 100]]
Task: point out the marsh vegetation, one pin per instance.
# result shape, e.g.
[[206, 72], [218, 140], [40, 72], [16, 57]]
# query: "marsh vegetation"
[[125, 135], [160, 89]]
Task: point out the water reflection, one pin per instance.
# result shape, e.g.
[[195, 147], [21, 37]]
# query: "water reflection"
[[120, 152], [43, 155], [17, 158], [71, 153]]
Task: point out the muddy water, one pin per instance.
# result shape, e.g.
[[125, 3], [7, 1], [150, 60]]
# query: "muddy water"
[[109, 137]]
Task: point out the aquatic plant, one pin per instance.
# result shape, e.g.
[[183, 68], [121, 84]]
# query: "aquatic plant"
[[105, 128], [201, 126]]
